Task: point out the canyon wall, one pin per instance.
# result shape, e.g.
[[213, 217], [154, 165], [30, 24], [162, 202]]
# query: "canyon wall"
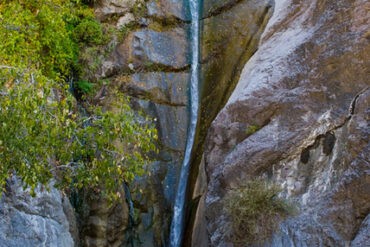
[[298, 118], [294, 76]]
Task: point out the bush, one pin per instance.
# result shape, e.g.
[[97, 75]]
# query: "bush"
[[89, 31], [84, 87], [256, 211], [43, 133]]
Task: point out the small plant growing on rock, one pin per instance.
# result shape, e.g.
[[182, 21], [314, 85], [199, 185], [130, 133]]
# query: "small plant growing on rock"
[[89, 31], [256, 210], [252, 129], [85, 86], [139, 9]]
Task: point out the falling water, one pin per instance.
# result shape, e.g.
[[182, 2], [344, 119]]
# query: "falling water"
[[131, 219], [178, 215]]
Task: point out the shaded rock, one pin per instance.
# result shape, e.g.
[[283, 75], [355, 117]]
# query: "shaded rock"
[[107, 8], [154, 194], [171, 121], [102, 223], [168, 9], [363, 236], [199, 233], [124, 20], [150, 62], [214, 7], [35, 221], [229, 39], [154, 50], [155, 200], [306, 89], [159, 87]]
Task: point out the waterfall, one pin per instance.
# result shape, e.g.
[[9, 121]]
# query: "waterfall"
[[131, 219], [177, 224]]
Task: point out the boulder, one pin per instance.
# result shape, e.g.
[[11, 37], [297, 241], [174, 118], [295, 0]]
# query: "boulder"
[[44, 220]]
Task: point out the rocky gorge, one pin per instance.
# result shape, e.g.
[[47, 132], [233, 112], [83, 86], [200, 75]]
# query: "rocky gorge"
[[284, 97]]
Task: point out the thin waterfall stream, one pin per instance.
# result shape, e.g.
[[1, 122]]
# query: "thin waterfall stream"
[[177, 225]]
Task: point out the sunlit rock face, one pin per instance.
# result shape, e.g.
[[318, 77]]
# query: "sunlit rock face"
[[45, 220], [306, 93]]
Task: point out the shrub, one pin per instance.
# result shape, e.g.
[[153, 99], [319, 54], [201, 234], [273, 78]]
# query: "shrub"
[[89, 31], [43, 133], [139, 9], [84, 87], [126, 29], [255, 210]]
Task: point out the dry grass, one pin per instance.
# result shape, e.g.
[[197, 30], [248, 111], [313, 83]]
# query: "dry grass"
[[256, 211]]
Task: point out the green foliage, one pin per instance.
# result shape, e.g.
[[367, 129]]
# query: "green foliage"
[[37, 35], [126, 29], [139, 9], [84, 87], [255, 210], [42, 133], [89, 31], [252, 129]]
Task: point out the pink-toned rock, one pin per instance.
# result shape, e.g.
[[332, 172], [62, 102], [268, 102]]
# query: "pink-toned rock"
[[305, 93]]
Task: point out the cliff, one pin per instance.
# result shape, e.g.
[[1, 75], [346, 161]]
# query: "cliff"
[[284, 100], [298, 118]]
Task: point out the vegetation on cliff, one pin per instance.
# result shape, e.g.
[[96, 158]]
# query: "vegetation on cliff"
[[255, 210], [43, 135]]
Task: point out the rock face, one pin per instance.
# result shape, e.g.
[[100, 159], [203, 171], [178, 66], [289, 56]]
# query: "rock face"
[[230, 34], [299, 117], [100, 223], [44, 220], [150, 63]]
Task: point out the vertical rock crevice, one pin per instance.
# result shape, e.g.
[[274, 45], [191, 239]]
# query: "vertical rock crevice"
[[231, 31]]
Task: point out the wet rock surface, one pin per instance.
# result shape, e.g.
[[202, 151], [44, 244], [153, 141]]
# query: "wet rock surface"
[[150, 63], [230, 34], [299, 117], [229, 39]]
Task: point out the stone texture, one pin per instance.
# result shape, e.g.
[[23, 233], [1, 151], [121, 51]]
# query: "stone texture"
[[147, 48], [306, 90], [151, 65], [101, 222], [169, 9], [160, 87], [154, 194], [214, 7], [124, 20], [229, 39], [43, 220], [107, 8], [363, 236]]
